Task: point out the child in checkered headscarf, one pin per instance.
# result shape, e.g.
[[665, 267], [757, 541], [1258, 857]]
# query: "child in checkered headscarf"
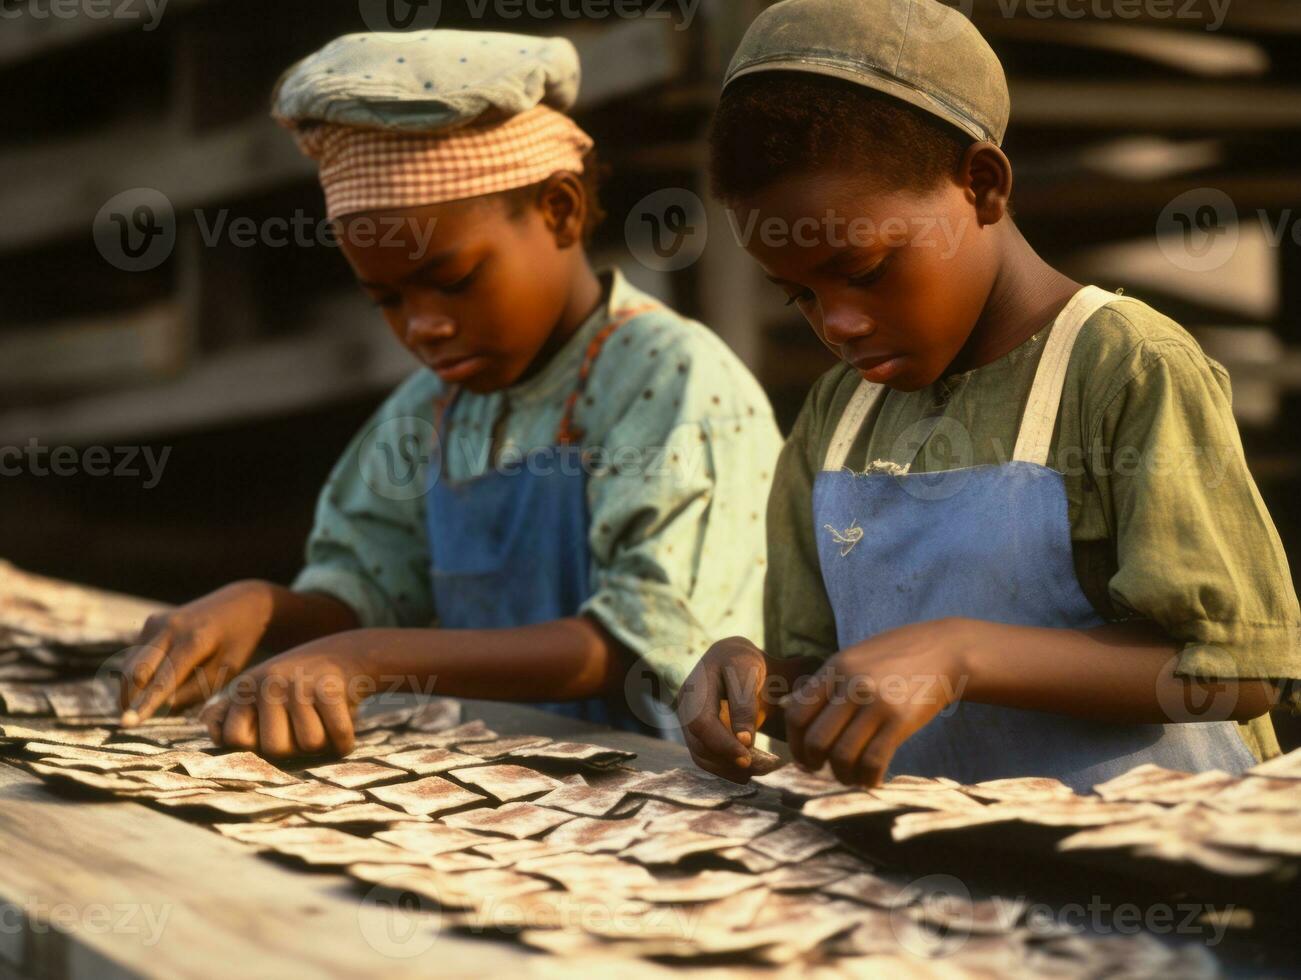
[[564, 503]]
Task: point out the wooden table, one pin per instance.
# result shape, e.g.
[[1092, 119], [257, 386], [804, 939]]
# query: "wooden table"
[[92, 888]]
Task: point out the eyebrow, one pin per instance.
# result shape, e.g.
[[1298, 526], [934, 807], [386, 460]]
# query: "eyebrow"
[[442, 258], [828, 264]]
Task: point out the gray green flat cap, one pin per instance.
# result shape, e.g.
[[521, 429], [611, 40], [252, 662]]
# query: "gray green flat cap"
[[920, 51]]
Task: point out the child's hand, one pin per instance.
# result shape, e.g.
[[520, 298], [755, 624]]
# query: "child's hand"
[[867, 699], [721, 707], [300, 702], [186, 654]]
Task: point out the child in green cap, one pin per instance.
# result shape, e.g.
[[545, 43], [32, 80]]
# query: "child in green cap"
[[1014, 532]]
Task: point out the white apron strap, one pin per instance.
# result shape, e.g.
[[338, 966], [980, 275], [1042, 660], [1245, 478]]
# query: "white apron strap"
[[1040, 417], [851, 421]]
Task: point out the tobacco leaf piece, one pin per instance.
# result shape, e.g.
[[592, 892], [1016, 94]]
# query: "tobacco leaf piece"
[[1280, 767], [571, 752], [793, 780], [83, 737], [315, 793], [72, 699], [501, 746], [592, 834], [435, 715], [1152, 783], [872, 889], [762, 763], [327, 846], [843, 806], [805, 876], [689, 787], [706, 886], [582, 799], [429, 761], [588, 873], [358, 814], [432, 794], [236, 803], [506, 782], [1258, 793], [752, 861], [236, 765], [21, 699], [1018, 789], [430, 840], [354, 775], [735, 820], [671, 848], [518, 820], [798, 840]]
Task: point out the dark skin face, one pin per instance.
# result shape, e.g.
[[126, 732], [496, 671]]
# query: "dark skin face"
[[480, 294], [907, 287]]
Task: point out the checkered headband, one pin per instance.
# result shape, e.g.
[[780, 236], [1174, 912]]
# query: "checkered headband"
[[377, 169]]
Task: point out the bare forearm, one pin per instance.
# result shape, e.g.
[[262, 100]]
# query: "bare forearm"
[[1118, 673], [568, 659], [295, 618]]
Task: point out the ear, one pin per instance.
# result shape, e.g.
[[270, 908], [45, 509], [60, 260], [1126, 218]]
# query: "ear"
[[563, 202], [986, 176]]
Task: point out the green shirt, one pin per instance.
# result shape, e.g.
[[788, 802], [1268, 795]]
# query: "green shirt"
[[687, 445], [1166, 521]]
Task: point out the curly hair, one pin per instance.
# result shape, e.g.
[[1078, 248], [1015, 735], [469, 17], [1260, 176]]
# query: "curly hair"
[[773, 125]]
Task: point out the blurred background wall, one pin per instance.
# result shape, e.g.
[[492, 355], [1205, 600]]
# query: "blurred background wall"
[[187, 359]]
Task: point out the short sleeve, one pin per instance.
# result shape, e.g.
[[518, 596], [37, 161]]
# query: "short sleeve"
[[677, 493], [1196, 549], [798, 618], [368, 546]]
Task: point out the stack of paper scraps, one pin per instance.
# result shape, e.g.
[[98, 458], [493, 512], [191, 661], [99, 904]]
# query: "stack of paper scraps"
[[1236, 826], [564, 847], [54, 640]]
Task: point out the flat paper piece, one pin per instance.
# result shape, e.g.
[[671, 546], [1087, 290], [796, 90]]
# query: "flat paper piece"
[[357, 814], [430, 761], [315, 794], [430, 840], [432, 794], [507, 783], [799, 840], [801, 783], [236, 765], [354, 775], [689, 787], [592, 835], [518, 820]]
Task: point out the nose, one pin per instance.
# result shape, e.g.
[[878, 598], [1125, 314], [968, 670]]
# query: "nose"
[[844, 323], [426, 327]]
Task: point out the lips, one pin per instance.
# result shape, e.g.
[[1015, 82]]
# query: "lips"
[[878, 368], [456, 368]]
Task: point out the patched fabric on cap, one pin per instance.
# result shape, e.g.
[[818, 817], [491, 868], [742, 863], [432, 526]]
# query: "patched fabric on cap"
[[427, 81], [409, 119], [375, 170], [920, 51]]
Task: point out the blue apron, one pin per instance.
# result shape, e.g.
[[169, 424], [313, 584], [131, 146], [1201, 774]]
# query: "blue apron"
[[509, 548], [993, 543]]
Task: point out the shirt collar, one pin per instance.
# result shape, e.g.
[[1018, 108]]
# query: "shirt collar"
[[559, 375]]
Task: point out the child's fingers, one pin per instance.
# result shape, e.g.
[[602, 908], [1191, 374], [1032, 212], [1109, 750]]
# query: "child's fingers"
[[275, 735], [175, 667], [845, 754], [309, 730], [875, 759], [213, 716], [801, 706], [742, 687], [240, 727], [137, 669], [337, 720], [821, 734], [728, 770]]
